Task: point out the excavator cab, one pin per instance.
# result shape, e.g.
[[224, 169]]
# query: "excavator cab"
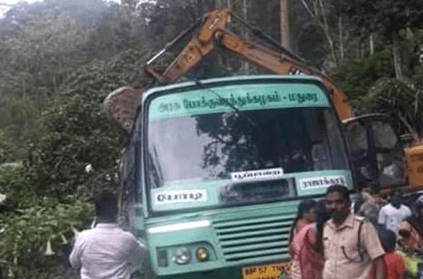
[[376, 152]]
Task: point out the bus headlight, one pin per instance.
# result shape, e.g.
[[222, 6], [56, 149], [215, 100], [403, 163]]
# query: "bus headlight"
[[182, 255], [202, 254]]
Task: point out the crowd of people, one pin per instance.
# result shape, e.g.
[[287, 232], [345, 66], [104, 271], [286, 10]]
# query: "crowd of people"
[[331, 238], [368, 239]]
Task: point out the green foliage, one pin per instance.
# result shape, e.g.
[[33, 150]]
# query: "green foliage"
[[116, 34], [357, 76], [37, 59], [87, 12], [14, 184], [311, 44], [8, 152], [380, 16], [60, 59], [401, 99], [166, 19], [78, 133], [97, 79], [19, 117], [24, 237]]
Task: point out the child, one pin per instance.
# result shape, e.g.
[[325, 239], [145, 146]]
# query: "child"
[[395, 268]]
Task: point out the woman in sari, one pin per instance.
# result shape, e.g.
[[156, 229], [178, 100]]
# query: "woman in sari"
[[305, 216], [307, 247]]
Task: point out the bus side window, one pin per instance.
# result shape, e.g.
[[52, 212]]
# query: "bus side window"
[[132, 181]]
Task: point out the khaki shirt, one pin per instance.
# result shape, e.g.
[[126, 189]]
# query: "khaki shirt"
[[342, 260]]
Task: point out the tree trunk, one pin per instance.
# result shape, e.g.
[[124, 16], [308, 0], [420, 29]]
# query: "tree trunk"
[[396, 54], [341, 41], [284, 24], [246, 68], [372, 46], [318, 13]]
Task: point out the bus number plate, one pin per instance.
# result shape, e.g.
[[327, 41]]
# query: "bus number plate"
[[270, 271]]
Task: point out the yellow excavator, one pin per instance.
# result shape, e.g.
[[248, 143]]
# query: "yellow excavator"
[[121, 104]]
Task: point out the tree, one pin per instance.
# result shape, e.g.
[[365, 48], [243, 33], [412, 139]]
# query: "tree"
[[167, 19], [36, 60], [88, 12], [319, 11], [77, 132], [19, 119], [116, 33], [398, 99], [357, 75], [385, 17], [8, 151]]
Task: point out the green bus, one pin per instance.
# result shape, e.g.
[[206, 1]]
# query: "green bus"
[[214, 171]]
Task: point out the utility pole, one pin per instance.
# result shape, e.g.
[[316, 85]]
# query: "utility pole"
[[246, 68], [284, 27]]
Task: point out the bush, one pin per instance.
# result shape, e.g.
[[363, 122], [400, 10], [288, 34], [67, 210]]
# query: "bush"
[[32, 240], [14, 185]]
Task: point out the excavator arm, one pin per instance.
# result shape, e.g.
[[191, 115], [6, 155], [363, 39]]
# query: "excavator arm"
[[198, 47], [214, 30], [281, 64]]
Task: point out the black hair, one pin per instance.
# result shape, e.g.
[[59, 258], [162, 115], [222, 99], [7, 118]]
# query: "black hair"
[[304, 207], [340, 189], [419, 207], [106, 207], [375, 186], [388, 240], [322, 217]]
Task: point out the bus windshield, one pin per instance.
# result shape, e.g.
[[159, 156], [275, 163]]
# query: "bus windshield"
[[215, 146]]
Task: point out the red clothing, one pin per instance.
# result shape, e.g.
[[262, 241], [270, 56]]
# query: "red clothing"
[[394, 265], [309, 262], [413, 241], [300, 225]]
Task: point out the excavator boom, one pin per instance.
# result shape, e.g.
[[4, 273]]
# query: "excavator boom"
[[214, 30]]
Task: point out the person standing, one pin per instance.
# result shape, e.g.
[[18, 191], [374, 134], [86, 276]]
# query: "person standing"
[[395, 268], [352, 249], [305, 216], [307, 247], [106, 251], [392, 214]]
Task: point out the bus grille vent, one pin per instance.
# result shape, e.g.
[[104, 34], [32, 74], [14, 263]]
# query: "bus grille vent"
[[255, 238]]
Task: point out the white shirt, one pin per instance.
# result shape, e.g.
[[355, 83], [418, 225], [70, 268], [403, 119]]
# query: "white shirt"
[[391, 216], [106, 252]]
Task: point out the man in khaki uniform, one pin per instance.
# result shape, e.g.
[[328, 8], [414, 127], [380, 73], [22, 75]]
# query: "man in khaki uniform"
[[344, 257]]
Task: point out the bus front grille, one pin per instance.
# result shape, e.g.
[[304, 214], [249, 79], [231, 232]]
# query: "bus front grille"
[[254, 238]]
